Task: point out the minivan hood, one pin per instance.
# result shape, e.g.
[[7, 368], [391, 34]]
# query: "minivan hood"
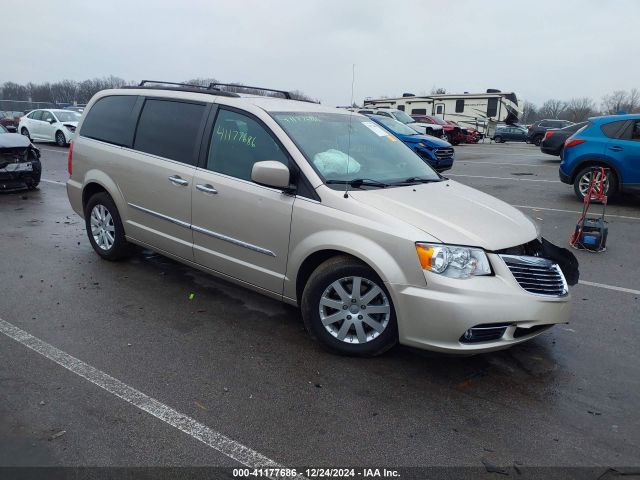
[[453, 213]]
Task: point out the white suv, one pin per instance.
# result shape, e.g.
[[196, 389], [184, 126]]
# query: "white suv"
[[317, 207]]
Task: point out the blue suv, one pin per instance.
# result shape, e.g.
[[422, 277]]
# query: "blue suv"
[[437, 153], [612, 142]]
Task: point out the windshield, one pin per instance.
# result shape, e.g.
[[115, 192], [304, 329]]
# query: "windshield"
[[403, 117], [350, 147], [396, 126], [68, 116]]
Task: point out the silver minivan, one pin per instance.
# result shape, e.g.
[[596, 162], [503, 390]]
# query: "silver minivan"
[[318, 207]]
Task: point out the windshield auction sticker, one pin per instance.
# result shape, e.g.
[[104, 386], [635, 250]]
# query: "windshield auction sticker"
[[375, 129]]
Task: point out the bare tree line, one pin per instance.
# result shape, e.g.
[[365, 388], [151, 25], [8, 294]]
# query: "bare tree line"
[[579, 109], [73, 92]]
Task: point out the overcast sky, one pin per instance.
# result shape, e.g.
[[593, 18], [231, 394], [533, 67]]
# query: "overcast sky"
[[540, 49]]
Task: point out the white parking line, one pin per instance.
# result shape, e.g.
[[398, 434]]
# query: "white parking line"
[[54, 182], [64, 152], [473, 162], [573, 211], [609, 287], [217, 441], [504, 178], [503, 154]]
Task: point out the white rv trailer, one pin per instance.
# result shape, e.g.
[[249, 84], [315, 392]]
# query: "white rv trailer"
[[467, 109]]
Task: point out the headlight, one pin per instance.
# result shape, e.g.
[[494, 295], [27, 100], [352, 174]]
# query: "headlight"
[[424, 145], [453, 261]]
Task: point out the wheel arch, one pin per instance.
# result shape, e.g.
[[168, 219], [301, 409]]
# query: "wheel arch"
[[592, 162], [376, 257], [97, 181]]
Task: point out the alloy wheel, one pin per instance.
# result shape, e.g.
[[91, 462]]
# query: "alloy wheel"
[[585, 182], [102, 227], [354, 310]]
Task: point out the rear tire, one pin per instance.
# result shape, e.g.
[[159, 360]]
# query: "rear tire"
[[537, 140], [61, 140], [498, 139], [344, 318], [104, 228], [582, 179]]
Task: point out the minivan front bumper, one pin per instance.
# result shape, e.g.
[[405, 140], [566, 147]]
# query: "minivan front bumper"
[[436, 317]]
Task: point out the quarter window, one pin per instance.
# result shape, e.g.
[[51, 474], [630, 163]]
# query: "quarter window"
[[238, 142], [170, 129], [460, 105], [111, 120]]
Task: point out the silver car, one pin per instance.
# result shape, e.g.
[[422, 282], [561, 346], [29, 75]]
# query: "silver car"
[[317, 207]]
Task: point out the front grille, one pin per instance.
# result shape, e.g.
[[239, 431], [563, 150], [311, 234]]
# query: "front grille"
[[537, 275], [444, 153], [13, 154]]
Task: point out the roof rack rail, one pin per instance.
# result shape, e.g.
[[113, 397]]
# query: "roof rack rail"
[[286, 94], [184, 87]]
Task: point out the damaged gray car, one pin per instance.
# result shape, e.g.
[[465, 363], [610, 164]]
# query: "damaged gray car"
[[20, 166]]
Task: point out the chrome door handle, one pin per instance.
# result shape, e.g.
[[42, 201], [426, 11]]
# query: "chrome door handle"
[[206, 188], [176, 180]]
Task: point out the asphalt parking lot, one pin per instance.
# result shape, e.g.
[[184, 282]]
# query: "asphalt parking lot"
[[241, 365]]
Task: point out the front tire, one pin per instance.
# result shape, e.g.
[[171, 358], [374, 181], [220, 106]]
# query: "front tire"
[[61, 140], [25, 132], [498, 139], [583, 179], [348, 309], [104, 228]]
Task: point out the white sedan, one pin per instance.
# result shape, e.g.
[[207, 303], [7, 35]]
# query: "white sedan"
[[50, 125]]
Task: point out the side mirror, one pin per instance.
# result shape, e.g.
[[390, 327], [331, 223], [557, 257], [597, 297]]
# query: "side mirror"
[[271, 174], [51, 120]]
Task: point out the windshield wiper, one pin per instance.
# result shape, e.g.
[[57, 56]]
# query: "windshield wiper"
[[413, 180], [359, 182]]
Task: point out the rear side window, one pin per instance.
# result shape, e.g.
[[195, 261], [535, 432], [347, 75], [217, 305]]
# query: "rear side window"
[[631, 131], [111, 120], [170, 129], [612, 129], [460, 105]]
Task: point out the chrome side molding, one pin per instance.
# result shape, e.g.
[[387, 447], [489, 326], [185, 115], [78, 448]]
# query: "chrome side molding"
[[204, 231]]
